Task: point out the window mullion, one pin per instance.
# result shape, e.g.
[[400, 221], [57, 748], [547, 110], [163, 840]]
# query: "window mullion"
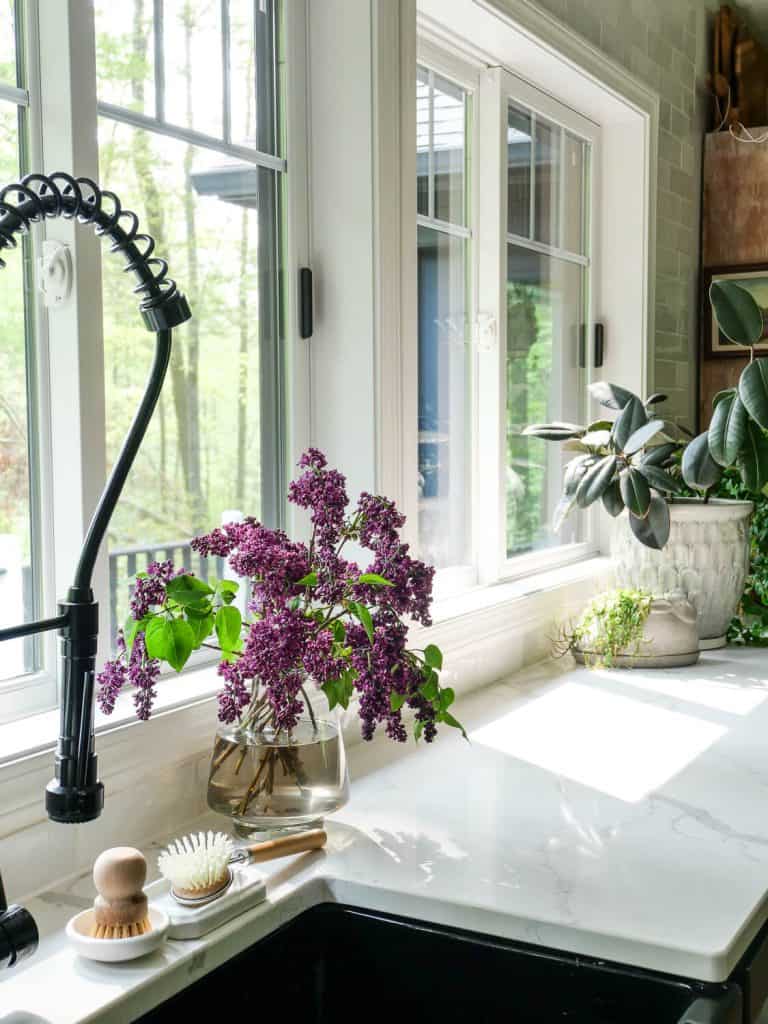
[[159, 60], [491, 359], [226, 99], [75, 349]]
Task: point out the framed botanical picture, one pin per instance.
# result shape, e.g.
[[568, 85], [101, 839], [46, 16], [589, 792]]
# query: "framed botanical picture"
[[753, 277]]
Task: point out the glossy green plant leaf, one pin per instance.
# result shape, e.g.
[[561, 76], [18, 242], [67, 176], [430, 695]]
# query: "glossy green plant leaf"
[[659, 454], [737, 313], [653, 530], [753, 391], [659, 480], [554, 431], [727, 429], [595, 481], [642, 436], [655, 399], [753, 459], [635, 492], [611, 396], [631, 418], [613, 503], [700, 471]]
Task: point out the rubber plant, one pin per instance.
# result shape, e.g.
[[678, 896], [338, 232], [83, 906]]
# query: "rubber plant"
[[737, 431], [632, 462]]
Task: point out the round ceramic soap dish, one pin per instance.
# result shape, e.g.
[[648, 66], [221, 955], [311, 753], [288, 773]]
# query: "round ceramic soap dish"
[[112, 951]]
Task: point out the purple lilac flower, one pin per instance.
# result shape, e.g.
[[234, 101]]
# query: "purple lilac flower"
[[143, 673], [149, 590], [272, 656], [267, 557], [110, 680], [380, 524], [319, 662], [411, 579], [235, 696], [382, 669], [324, 492]]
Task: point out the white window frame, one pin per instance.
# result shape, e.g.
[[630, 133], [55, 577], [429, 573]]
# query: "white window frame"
[[69, 342], [499, 88], [490, 89]]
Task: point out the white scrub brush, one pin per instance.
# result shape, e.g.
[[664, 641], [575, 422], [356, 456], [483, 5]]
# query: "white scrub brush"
[[198, 866]]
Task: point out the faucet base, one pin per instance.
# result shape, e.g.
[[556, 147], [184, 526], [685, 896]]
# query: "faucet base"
[[73, 804]]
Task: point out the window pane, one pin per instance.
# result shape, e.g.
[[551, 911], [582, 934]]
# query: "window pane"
[[423, 133], [252, 75], [443, 398], [125, 54], [518, 172], [547, 189], [8, 73], [17, 551], [215, 223], [574, 178], [448, 137], [193, 75], [545, 314]]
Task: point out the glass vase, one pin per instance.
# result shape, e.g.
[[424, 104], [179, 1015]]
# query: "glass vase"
[[268, 781]]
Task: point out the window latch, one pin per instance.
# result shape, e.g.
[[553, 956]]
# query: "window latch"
[[306, 304], [599, 350]]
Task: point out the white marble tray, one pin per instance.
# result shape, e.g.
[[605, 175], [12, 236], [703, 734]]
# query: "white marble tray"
[[246, 890]]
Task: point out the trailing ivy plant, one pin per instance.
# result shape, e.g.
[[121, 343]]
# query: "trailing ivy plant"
[[610, 625], [737, 431], [632, 462], [750, 624]]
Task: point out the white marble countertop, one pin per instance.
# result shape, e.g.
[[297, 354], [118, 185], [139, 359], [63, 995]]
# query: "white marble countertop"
[[621, 815]]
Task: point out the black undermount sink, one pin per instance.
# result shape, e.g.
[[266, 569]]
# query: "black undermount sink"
[[339, 964]]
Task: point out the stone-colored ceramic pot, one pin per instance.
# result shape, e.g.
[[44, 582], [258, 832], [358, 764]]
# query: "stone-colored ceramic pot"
[[706, 558], [670, 638]]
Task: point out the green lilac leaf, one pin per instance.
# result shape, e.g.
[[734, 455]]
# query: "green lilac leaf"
[[228, 625], [396, 700], [201, 627], [310, 580], [361, 612], [374, 579], [188, 590], [448, 719], [331, 691], [170, 640], [433, 656], [133, 627]]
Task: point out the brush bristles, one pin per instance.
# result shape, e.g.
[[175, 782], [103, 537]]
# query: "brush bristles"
[[196, 862], [121, 931]]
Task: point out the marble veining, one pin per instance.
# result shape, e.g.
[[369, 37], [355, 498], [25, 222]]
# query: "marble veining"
[[613, 814]]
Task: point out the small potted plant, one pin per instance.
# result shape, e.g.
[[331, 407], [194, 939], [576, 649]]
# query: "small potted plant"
[[315, 620], [637, 469], [628, 628]]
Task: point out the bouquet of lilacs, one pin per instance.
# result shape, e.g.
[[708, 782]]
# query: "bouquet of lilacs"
[[314, 618]]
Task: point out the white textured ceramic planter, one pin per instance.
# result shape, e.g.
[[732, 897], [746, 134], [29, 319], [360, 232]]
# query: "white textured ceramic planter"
[[706, 557]]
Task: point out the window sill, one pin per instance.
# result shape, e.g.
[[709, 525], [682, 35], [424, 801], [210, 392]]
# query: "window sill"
[[485, 634]]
